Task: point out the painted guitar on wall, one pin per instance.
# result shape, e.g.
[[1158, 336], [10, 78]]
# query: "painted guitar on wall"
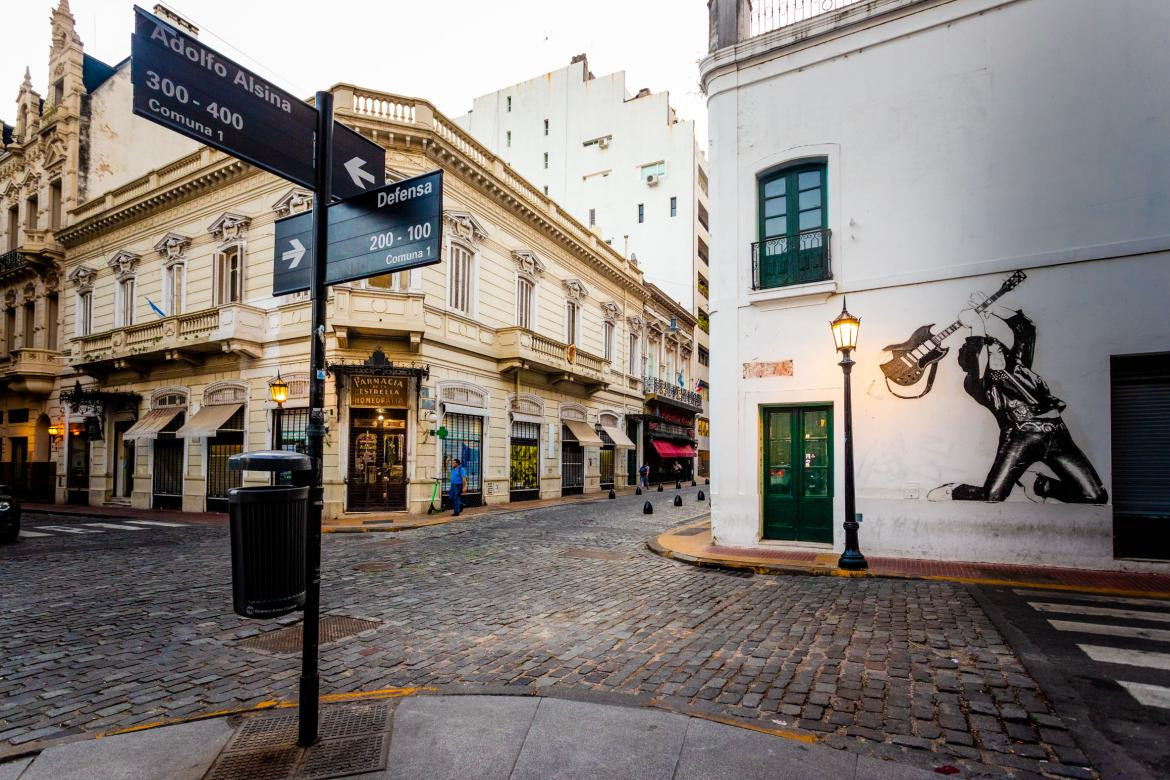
[[920, 354]]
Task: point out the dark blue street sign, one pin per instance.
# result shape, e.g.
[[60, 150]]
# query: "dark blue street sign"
[[394, 228], [194, 90]]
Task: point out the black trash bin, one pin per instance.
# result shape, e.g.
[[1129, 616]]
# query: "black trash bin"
[[268, 537]]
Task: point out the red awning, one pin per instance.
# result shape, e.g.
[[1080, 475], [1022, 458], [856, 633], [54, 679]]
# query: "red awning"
[[668, 449]]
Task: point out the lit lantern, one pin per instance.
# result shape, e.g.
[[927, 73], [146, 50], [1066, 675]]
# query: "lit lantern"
[[278, 390], [845, 329]]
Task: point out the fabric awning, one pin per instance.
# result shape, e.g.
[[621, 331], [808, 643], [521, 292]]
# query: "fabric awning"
[[151, 423], [618, 437], [585, 435], [208, 420], [669, 449]]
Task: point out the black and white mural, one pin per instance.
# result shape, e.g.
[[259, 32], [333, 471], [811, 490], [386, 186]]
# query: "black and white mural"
[[996, 359]]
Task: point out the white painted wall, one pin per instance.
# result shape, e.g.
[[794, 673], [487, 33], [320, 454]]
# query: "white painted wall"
[[964, 140]]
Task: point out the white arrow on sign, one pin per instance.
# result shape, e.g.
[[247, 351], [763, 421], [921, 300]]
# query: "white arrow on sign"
[[295, 254], [354, 168]]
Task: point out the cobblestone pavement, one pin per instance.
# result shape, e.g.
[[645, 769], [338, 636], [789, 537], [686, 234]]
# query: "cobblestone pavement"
[[558, 599]]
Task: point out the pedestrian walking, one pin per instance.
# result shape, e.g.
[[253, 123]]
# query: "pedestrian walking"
[[458, 477], [644, 476]]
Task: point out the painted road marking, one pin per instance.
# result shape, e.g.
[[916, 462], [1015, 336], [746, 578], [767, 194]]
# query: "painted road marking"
[[156, 522], [67, 530], [31, 534], [116, 527], [1116, 655], [1150, 695], [1047, 594], [1085, 609], [1159, 634]]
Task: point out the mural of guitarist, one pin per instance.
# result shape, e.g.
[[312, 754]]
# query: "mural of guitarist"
[[1000, 377]]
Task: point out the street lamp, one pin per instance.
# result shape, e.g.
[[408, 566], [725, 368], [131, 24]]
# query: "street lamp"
[[278, 390], [845, 329]]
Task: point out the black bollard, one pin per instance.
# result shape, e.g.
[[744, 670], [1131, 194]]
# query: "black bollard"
[[659, 487], [647, 508], [702, 496], [638, 491], [677, 500], [612, 494], [706, 482], [694, 483]]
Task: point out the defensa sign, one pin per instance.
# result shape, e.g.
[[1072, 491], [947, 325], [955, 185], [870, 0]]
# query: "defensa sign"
[[390, 229], [194, 90]]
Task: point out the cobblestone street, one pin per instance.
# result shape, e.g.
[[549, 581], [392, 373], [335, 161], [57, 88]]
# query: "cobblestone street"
[[105, 634]]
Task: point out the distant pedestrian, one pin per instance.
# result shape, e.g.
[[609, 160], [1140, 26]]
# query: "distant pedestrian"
[[677, 469], [458, 477], [644, 475]]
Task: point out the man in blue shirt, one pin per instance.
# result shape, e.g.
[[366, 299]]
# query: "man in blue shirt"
[[458, 477]]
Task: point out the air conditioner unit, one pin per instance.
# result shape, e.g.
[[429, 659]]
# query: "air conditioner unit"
[[652, 180], [603, 143]]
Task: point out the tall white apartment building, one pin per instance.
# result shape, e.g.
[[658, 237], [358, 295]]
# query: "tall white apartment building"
[[622, 163]]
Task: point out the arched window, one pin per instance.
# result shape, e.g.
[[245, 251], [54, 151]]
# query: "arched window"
[[229, 271], [461, 276], [793, 227]]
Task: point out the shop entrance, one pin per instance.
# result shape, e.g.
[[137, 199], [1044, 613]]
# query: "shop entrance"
[[124, 460], [167, 485], [376, 478], [465, 442], [227, 441], [525, 461], [77, 478]]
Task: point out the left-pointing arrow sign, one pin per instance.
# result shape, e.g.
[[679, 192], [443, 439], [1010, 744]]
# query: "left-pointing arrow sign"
[[354, 168], [294, 254]]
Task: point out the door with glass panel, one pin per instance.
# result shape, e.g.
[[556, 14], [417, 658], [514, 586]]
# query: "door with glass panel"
[[793, 211], [797, 473], [524, 461]]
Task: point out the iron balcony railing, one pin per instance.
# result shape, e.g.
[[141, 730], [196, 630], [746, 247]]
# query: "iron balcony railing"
[[662, 389], [796, 259], [768, 15]]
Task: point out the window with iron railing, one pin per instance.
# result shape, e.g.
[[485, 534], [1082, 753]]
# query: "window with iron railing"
[[793, 246]]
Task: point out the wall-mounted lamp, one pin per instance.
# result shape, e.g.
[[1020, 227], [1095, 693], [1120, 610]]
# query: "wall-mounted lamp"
[[278, 391]]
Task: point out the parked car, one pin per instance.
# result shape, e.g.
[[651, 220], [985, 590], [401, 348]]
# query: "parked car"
[[9, 516]]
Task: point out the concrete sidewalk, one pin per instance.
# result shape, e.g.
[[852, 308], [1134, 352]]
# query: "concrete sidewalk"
[[454, 737], [691, 543]]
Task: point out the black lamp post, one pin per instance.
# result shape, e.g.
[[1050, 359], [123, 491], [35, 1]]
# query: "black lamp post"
[[845, 329]]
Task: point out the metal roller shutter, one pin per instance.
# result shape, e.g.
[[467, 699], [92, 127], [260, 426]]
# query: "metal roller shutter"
[[1141, 455]]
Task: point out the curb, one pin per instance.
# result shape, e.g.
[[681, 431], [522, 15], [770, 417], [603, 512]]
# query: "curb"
[[657, 548]]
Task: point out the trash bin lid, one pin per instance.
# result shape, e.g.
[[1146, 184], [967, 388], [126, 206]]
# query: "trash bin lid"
[[269, 460]]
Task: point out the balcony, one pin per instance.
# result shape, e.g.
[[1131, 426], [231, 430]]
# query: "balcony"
[[659, 390], [520, 349], [787, 260], [187, 338], [374, 312], [735, 21], [30, 370]]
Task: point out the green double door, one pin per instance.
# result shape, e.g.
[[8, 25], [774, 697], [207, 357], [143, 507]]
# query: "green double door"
[[798, 473]]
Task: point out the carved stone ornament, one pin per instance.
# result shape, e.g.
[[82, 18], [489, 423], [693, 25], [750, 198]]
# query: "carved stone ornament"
[[575, 289], [611, 311], [51, 281], [465, 226], [230, 227], [10, 298], [172, 246], [30, 292], [124, 264], [82, 278], [528, 263], [295, 201], [635, 323]]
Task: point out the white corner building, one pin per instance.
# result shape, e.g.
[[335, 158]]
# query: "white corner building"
[[988, 183]]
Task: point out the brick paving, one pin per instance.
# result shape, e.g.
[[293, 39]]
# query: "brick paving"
[[559, 599]]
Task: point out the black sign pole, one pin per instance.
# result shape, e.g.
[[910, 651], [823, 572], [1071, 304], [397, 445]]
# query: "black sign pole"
[[315, 431]]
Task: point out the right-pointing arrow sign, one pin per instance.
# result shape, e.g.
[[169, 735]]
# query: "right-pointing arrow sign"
[[295, 254], [354, 168]]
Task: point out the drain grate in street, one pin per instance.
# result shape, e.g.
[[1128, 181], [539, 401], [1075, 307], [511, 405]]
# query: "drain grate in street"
[[354, 719], [690, 531], [255, 765], [288, 640], [266, 731], [384, 566], [595, 553], [342, 757]]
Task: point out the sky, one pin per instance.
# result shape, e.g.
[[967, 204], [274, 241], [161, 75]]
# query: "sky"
[[445, 52]]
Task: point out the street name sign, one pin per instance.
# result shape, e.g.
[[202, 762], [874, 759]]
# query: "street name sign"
[[394, 228], [194, 90]]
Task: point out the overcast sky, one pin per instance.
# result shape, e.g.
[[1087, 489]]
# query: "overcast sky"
[[447, 51]]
